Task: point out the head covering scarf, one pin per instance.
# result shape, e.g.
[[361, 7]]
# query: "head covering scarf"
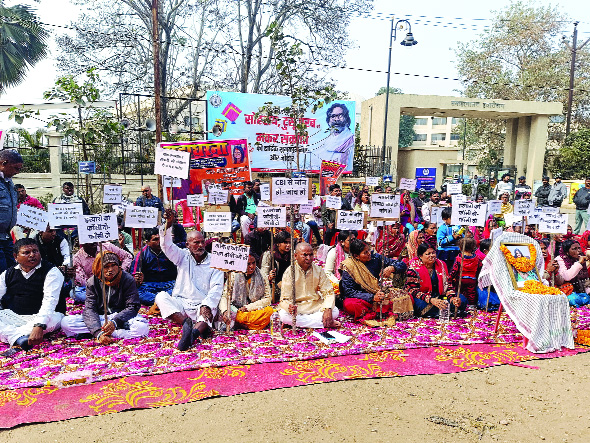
[[340, 257], [109, 257], [476, 234], [245, 292], [569, 261], [584, 241], [412, 245], [390, 243]]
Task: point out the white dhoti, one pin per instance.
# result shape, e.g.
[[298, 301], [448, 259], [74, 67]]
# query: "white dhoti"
[[14, 326], [73, 325], [169, 305], [314, 320]]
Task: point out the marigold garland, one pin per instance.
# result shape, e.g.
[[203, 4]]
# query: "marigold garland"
[[521, 264], [536, 287]]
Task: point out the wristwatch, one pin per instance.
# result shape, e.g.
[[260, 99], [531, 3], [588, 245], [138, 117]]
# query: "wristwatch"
[[40, 325]]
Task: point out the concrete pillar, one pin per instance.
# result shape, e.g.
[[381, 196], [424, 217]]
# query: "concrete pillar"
[[522, 145], [54, 141], [537, 146], [510, 142]]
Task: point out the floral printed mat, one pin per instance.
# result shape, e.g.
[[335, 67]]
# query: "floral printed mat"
[[157, 354]]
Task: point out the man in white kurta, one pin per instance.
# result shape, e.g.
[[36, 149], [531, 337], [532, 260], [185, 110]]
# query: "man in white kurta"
[[198, 287]]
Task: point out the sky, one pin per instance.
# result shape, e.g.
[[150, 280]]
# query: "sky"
[[433, 55]]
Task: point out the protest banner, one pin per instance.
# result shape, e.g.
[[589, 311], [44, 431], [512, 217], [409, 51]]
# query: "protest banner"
[[350, 220], [553, 223], [524, 207], [333, 201], [112, 194], [287, 191], [272, 217], [97, 228], [306, 208], [372, 181], [329, 173], [228, 257], [218, 196], [454, 188], [31, 217], [407, 183], [459, 198], [64, 214], [265, 192], [385, 206], [140, 217], [171, 162], [469, 214], [494, 207], [214, 221], [195, 200]]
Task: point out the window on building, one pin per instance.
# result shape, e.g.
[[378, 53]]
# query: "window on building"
[[438, 137], [421, 121], [419, 137], [437, 121], [455, 137], [456, 121]]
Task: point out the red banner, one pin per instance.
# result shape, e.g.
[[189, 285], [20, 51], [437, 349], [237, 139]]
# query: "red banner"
[[329, 173]]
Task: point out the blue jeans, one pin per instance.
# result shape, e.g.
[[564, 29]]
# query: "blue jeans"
[[420, 304], [6, 255], [305, 230], [148, 290]]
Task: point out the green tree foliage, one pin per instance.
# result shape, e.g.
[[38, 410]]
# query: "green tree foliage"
[[22, 43], [33, 149], [406, 122], [572, 160]]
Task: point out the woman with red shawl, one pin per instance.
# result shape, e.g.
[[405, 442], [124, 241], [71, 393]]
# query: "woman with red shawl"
[[407, 211], [392, 241], [410, 252]]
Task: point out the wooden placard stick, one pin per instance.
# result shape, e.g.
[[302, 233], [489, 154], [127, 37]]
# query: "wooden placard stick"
[[460, 272], [293, 293], [102, 285], [552, 256], [272, 264], [229, 296]]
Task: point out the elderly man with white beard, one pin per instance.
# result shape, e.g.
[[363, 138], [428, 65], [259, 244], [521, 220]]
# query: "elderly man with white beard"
[[198, 287]]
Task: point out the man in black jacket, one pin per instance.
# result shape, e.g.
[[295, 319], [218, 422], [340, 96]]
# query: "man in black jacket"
[[543, 192], [246, 207], [582, 200], [122, 305]]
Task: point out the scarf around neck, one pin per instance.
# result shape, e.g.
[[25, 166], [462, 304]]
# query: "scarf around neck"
[[244, 292], [361, 274], [96, 270]]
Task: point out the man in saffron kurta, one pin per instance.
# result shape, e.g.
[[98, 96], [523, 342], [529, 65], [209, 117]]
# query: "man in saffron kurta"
[[314, 295]]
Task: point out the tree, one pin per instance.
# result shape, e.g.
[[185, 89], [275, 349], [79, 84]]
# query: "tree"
[[406, 122], [575, 148], [22, 43], [33, 150]]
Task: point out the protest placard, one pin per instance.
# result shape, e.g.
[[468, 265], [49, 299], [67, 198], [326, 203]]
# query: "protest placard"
[[459, 198], [306, 208], [262, 204], [171, 182], [265, 192], [195, 200], [407, 183], [97, 228], [494, 207], [549, 210], [524, 207], [553, 223], [333, 201], [469, 214], [31, 217], [120, 208], [454, 188], [436, 215], [112, 194], [350, 220], [227, 257], [64, 214], [385, 206], [140, 217], [272, 217], [218, 196], [534, 218], [287, 191], [217, 221], [511, 219], [372, 181], [171, 162]]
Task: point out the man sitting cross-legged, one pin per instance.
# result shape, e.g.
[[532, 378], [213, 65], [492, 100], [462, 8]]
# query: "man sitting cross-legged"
[[122, 305], [314, 294], [198, 287], [29, 293], [152, 270]]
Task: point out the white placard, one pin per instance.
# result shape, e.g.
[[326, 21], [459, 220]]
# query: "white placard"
[[195, 200], [520, 190], [112, 194], [97, 228], [524, 207], [469, 214], [459, 198], [140, 217], [218, 196], [265, 191], [534, 218], [407, 183], [494, 207], [272, 217], [436, 214], [350, 220], [496, 233], [229, 257], [64, 214], [287, 191], [262, 204], [333, 201], [171, 162], [217, 221], [306, 208], [549, 210], [372, 181], [120, 208], [31, 217], [171, 182], [454, 188], [385, 206], [553, 224], [510, 219]]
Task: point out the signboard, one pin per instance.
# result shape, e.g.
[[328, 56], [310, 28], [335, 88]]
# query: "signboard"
[[195, 200], [350, 220], [31, 217], [112, 194], [171, 162], [333, 201], [407, 183], [218, 196], [140, 217], [97, 228], [454, 188], [265, 192], [228, 257], [372, 181], [436, 214], [524, 207], [426, 178], [272, 217], [287, 191], [171, 182], [64, 214], [86, 167], [469, 214], [306, 208], [273, 140], [494, 207], [459, 198], [217, 221], [553, 224], [329, 173], [385, 206]]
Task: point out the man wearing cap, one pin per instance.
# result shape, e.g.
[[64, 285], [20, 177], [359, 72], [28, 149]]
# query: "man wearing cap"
[[543, 192], [558, 192], [522, 188], [581, 200]]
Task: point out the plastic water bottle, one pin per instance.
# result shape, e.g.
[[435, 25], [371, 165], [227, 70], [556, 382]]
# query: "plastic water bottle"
[[276, 326], [444, 315]]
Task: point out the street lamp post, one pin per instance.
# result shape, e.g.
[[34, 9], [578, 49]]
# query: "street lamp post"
[[574, 48], [408, 41]]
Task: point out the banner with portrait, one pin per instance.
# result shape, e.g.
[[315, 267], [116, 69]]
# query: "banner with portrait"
[[272, 141], [329, 173]]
